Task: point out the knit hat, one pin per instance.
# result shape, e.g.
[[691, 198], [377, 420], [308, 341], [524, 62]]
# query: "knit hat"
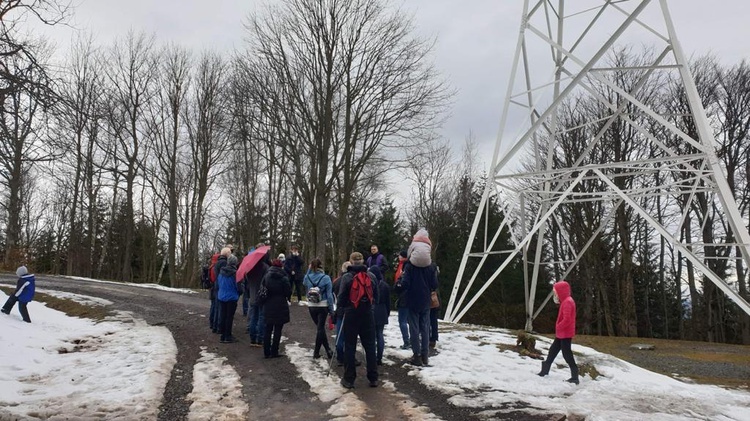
[[402, 253], [22, 271], [356, 258], [276, 262], [281, 257]]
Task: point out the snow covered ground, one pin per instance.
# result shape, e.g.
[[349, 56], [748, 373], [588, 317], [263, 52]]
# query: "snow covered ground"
[[79, 368]]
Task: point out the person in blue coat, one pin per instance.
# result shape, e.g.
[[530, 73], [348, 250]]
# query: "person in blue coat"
[[227, 296], [320, 302], [23, 294], [419, 282]]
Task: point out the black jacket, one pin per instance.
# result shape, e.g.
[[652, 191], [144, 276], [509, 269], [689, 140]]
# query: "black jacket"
[[294, 264], [275, 308], [343, 304], [383, 304]]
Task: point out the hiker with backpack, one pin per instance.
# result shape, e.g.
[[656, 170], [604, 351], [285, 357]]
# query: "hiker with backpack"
[[336, 318], [382, 311], [356, 299], [320, 302], [418, 283]]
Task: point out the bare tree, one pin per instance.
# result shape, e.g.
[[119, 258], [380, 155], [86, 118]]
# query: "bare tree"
[[340, 80], [130, 88], [208, 126], [168, 131], [22, 110]]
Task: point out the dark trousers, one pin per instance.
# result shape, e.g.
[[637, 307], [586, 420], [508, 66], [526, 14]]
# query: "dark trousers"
[[294, 282], [319, 315], [434, 324], [245, 304], [226, 317], [271, 346], [419, 330], [21, 308], [256, 323], [381, 341], [403, 324], [359, 323], [215, 317], [564, 345], [339, 341]]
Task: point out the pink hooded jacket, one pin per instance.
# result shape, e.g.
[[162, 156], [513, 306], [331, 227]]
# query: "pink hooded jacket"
[[566, 317]]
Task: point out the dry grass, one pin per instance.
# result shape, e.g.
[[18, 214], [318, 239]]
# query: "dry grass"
[[700, 353], [71, 308]]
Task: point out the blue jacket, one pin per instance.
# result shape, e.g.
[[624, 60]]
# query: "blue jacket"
[[322, 281], [25, 288], [227, 284], [418, 283]]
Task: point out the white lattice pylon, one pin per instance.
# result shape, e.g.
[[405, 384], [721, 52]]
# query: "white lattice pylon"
[[563, 57]]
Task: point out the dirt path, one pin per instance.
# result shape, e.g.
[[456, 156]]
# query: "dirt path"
[[272, 388]]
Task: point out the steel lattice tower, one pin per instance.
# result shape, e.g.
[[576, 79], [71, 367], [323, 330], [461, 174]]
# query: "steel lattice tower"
[[563, 56]]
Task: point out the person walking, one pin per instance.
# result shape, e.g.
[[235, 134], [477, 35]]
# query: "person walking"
[[24, 293], [320, 302], [293, 266], [275, 308], [402, 302], [356, 299], [227, 295], [382, 311], [565, 330]]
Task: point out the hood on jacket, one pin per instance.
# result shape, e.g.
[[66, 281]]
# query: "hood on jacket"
[[422, 236], [562, 289], [315, 276], [231, 267], [356, 268]]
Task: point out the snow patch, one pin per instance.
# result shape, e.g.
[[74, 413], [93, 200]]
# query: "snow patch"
[[217, 390], [151, 286]]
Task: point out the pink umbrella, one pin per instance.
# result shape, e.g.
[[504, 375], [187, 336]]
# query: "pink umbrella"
[[250, 261]]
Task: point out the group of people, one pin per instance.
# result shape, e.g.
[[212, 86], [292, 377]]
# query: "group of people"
[[357, 302]]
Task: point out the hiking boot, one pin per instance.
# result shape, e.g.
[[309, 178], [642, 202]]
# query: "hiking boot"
[[373, 383], [340, 363], [405, 346], [425, 360], [329, 353], [433, 344], [5, 311], [346, 384], [545, 369], [380, 362], [572, 380], [416, 360]]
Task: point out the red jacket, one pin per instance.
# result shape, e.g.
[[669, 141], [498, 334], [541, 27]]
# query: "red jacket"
[[566, 317]]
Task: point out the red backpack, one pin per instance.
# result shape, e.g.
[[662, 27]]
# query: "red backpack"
[[361, 290], [211, 271]]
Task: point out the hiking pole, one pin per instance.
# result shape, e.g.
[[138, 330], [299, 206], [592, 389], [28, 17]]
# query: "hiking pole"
[[335, 345]]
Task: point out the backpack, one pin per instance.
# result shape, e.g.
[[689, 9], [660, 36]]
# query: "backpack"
[[211, 271], [313, 293], [361, 291]]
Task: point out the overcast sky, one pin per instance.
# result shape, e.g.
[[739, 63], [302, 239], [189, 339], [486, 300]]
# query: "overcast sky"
[[475, 40]]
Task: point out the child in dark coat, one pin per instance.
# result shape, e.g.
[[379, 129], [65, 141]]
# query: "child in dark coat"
[[23, 294], [565, 329]]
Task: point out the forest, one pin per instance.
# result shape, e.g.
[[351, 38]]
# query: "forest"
[[136, 160]]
